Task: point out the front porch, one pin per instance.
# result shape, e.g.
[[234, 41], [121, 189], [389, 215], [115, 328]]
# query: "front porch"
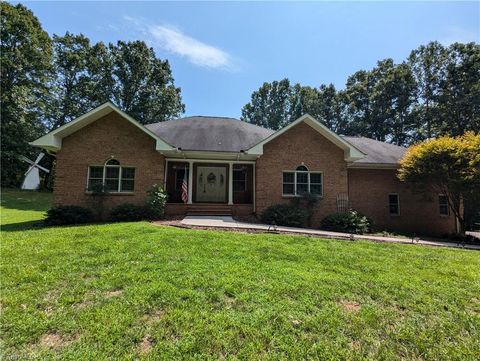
[[210, 187]]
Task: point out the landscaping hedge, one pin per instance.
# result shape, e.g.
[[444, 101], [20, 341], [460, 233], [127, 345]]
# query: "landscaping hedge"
[[348, 222], [285, 215], [68, 215]]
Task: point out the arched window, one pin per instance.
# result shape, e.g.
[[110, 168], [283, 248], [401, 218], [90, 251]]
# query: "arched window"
[[111, 177], [301, 180], [112, 162]]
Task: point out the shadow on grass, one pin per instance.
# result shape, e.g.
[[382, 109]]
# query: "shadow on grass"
[[37, 225], [21, 226], [25, 200]]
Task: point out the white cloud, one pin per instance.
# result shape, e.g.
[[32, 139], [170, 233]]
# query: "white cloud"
[[174, 41], [195, 51], [460, 35]]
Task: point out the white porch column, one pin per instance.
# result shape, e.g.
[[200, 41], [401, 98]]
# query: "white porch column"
[[253, 186], [230, 183], [190, 182]]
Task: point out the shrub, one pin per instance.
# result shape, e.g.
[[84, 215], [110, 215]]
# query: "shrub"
[[307, 201], [348, 222], [68, 215], [285, 215], [129, 212], [156, 200]]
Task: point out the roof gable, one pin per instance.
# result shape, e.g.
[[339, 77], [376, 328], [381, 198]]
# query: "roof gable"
[[351, 152], [53, 140]]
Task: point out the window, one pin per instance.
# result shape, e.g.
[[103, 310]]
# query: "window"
[[394, 204], [179, 176], [239, 178], [302, 181], [443, 203], [112, 176]]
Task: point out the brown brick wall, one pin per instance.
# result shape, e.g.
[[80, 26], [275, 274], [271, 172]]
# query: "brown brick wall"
[[109, 136], [368, 193], [300, 144]]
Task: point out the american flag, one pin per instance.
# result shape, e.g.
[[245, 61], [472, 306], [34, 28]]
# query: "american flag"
[[185, 187]]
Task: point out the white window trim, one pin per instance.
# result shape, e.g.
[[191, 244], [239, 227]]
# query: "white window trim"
[[439, 204], [295, 182], [104, 173], [398, 204]]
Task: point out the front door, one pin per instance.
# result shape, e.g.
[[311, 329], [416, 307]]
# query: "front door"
[[211, 184]]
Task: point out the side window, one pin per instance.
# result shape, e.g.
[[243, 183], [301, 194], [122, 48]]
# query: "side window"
[[95, 177], [394, 204], [112, 176], [288, 183], [443, 204], [301, 180], [179, 176], [239, 179]]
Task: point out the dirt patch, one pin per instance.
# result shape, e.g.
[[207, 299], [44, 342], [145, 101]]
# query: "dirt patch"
[[355, 344], [145, 346], [82, 305], [296, 323], [48, 310], [88, 300], [55, 340], [229, 300], [111, 294], [88, 278], [150, 318], [349, 306], [51, 296]]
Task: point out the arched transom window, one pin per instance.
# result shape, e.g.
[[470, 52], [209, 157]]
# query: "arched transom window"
[[111, 177], [302, 180]]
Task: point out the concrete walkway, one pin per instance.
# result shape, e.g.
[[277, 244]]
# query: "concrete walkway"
[[229, 222]]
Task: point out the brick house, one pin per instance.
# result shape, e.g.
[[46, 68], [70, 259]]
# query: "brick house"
[[232, 167]]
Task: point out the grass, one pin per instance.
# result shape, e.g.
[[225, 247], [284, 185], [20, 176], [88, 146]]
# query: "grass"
[[22, 209], [133, 290]]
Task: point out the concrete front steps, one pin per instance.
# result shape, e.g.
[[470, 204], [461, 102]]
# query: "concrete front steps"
[[209, 209]]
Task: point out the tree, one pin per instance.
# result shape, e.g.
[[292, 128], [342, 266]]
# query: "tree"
[[359, 105], [428, 66], [379, 102], [71, 87], [129, 74], [143, 85], [269, 106], [459, 96], [446, 165], [25, 61], [400, 90], [277, 104], [436, 91], [332, 109]]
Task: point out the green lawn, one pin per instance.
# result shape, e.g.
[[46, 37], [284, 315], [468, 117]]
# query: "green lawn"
[[133, 290], [22, 209]]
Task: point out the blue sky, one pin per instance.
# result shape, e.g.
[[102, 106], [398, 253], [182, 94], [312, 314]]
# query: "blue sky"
[[222, 51]]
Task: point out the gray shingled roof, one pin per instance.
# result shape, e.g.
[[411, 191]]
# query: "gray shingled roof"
[[222, 134], [210, 133], [376, 151]]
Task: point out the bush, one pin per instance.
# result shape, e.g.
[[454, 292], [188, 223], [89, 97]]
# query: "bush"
[[307, 201], [156, 200], [129, 212], [285, 215], [348, 222], [68, 215]]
